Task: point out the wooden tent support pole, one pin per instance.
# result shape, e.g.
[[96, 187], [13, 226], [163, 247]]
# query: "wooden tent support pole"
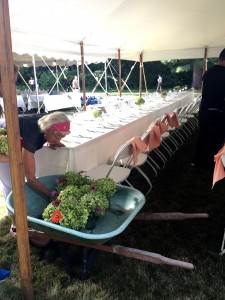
[[169, 216], [16, 166], [119, 72], [151, 257]]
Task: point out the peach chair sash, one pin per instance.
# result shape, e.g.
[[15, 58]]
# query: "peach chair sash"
[[172, 119], [175, 120], [154, 137], [169, 120], [138, 147], [162, 126], [219, 172]]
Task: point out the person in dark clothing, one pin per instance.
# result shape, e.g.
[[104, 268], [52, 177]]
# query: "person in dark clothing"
[[211, 136], [35, 131]]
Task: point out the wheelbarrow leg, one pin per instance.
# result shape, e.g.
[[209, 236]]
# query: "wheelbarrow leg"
[[90, 257], [68, 264]]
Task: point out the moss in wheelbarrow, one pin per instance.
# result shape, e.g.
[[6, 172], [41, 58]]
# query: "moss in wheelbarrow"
[[124, 206]]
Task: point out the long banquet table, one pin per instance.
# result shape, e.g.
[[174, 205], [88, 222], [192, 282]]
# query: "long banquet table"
[[93, 141]]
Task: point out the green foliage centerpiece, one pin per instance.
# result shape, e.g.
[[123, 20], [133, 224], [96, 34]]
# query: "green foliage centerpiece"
[[139, 101], [79, 199], [97, 113]]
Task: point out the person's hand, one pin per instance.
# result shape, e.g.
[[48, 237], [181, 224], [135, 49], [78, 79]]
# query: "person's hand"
[[54, 146]]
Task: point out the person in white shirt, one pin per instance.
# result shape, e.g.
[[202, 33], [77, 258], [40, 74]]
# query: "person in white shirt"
[[159, 85], [75, 84]]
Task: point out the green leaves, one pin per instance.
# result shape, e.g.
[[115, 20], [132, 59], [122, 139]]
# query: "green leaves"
[[79, 198], [3, 142], [139, 101]]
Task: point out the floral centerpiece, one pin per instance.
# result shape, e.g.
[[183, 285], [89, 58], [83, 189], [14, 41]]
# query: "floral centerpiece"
[[177, 88], [3, 142], [97, 113], [163, 94], [139, 101], [79, 198]]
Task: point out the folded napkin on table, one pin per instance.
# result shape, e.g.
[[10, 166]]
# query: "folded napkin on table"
[[219, 172], [138, 147]]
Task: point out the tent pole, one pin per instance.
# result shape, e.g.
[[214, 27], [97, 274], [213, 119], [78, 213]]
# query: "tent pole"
[[140, 74], [124, 82], [128, 76], [106, 83], [35, 81], [119, 72], [83, 74], [78, 75], [16, 165], [24, 81], [99, 79], [205, 62]]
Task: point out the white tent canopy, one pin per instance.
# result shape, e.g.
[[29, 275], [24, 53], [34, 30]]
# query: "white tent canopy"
[[174, 29]]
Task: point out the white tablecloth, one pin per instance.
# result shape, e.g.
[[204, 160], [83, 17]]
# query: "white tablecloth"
[[34, 100], [90, 143], [20, 102], [57, 102]]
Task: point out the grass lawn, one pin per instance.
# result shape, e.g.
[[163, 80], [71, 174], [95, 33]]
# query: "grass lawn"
[[179, 187]]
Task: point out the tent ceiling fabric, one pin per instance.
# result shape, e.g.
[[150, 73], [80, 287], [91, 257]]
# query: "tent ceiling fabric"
[[161, 30]]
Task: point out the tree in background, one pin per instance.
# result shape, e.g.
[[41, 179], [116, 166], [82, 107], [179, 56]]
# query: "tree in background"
[[174, 72]]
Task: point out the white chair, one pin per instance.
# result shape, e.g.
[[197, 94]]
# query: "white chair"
[[114, 171], [120, 166]]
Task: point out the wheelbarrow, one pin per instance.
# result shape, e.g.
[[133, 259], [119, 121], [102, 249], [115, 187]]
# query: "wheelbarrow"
[[124, 206]]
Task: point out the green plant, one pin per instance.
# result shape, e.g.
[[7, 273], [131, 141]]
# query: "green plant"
[[3, 142], [79, 198], [163, 94], [97, 113], [139, 101]]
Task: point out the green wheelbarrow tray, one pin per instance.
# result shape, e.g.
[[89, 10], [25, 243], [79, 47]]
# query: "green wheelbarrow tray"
[[124, 206]]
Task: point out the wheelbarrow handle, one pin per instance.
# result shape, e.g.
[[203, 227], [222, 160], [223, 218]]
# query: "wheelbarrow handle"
[[148, 256], [169, 216]]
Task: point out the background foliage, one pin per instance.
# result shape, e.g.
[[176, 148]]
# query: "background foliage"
[[174, 73]]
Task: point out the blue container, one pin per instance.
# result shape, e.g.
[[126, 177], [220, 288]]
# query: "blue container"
[[124, 206]]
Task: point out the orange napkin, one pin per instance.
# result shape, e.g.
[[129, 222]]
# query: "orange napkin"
[[172, 119], [162, 126], [175, 120], [219, 172], [154, 137], [169, 120], [138, 146]]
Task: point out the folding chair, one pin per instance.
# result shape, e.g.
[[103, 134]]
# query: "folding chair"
[[120, 166]]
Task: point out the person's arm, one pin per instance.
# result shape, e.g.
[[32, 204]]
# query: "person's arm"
[[29, 172]]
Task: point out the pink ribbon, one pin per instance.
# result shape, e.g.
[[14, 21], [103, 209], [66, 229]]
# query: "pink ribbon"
[[60, 127]]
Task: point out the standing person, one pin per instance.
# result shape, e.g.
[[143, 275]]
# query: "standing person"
[[31, 83], [211, 136], [75, 84], [159, 83]]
